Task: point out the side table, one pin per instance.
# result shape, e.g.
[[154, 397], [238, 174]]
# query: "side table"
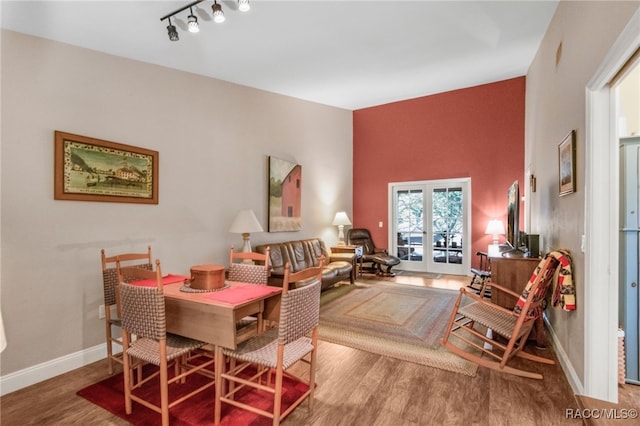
[[357, 258]]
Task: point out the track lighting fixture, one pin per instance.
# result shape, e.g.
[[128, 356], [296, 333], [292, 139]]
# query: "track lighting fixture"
[[173, 33], [192, 20]]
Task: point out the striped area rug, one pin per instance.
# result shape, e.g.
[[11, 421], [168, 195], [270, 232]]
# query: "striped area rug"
[[395, 320], [428, 275]]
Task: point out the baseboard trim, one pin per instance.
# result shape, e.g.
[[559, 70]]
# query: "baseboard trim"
[[565, 363], [37, 373]]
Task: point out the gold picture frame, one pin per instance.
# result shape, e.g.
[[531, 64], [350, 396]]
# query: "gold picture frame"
[[567, 164], [89, 169]]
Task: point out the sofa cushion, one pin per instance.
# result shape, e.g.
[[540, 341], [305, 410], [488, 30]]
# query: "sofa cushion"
[[329, 273], [340, 267]]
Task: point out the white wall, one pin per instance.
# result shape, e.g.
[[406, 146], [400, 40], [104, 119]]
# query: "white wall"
[[579, 36], [214, 140]]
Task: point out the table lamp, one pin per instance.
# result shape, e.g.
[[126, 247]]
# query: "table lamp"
[[494, 228], [245, 223], [340, 221]]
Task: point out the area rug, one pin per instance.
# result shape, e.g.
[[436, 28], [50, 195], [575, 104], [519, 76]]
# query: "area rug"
[[394, 320], [428, 275], [195, 411]]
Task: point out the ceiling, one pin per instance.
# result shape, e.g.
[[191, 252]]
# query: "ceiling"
[[347, 54]]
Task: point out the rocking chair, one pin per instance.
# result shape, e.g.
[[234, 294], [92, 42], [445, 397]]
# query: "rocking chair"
[[473, 319]]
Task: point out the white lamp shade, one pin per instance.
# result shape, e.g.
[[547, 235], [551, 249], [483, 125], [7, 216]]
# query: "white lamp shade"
[[495, 227], [245, 222], [341, 219]]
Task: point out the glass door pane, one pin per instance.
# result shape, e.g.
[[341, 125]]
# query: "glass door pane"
[[447, 209], [409, 213]]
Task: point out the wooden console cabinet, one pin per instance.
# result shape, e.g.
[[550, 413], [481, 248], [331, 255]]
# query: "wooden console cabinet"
[[514, 273]]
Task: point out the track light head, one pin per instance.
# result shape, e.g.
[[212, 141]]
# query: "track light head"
[[192, 22], [218, 14], [243, 5], [173, 32]]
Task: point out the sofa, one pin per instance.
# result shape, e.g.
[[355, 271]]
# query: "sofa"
[[302, 254]]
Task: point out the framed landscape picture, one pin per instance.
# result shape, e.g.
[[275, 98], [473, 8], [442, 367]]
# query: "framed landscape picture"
[[285, 195], [89, 169], [567, 164]]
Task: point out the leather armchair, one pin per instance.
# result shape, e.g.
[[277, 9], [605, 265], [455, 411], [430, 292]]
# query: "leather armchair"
[[375, 256]]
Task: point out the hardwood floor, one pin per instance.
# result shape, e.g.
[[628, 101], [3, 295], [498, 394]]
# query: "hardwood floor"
[[354, 388]]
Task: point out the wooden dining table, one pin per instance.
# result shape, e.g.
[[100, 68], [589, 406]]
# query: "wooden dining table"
[[212, 316]]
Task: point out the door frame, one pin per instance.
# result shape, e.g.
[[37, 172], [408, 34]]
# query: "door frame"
[[601, 221], [465, 182]]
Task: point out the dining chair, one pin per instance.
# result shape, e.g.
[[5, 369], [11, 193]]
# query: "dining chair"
[[470, 321], [109, 282], [295, 339], [143, 315], [253, 267]]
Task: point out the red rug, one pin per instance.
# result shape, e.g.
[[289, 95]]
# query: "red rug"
[[195, 411]]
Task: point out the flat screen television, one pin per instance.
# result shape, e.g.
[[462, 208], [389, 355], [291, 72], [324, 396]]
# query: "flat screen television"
[[513, 216]]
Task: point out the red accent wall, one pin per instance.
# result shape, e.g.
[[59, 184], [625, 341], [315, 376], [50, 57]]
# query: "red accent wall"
[[476, 132]]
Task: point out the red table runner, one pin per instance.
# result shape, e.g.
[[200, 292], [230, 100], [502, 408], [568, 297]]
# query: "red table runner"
[[241, 293], [167, 279]]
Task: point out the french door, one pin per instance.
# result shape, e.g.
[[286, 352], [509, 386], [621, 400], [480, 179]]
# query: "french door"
[[430, 225]]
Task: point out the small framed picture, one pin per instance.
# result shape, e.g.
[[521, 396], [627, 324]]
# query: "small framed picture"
[[89, 169], [567, 164]]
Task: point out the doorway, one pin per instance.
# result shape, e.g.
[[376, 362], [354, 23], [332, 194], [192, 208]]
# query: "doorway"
[[430, 225], [627, 103], [601, 225], [629, 254]]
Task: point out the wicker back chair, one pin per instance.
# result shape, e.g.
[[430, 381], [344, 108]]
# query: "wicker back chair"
[[143, 315], [252, 269], [109, 282], [277, 348], [468, 323], [248, 271]]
